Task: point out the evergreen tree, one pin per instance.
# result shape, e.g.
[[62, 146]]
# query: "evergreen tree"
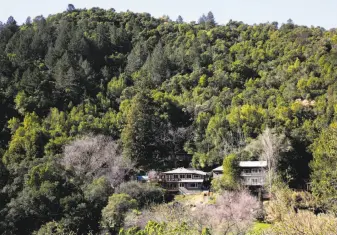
[[202, 20], [210, 20], [158, 87], [136, 58], [180, 19], [28, 21], [140, 134], [324, 173], [158, 65]]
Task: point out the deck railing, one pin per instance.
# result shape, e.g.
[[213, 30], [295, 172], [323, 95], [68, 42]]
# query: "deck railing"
[[253, 174], [177, 179]]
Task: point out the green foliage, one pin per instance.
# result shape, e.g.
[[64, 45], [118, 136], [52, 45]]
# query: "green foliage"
[[99, 191], [114, 213], [144, 194], [46, 196], [305, 222], [139, 134], [53, 228], [324, 174], [154, 228], [162, 89], [27, 142], [285, 200], [229, 179], [259, 228], [115, 87]]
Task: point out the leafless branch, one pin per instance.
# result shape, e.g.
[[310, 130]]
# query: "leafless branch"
[[97, 156]]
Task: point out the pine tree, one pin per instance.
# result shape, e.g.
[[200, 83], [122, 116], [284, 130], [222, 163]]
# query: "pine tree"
[[158, 65], [210, 20], [180, 19], [202, 19]]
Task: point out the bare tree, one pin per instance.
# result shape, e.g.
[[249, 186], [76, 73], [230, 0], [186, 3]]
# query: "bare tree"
[[233, 142], [232, 213], [269, 146], [97, 156]]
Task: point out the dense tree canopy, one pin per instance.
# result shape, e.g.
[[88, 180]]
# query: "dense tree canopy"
[[324, 177], [158, 89]]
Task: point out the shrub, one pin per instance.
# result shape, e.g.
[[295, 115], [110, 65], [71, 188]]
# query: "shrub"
[[155, 228], [285, 200], [279, 205], [232, 213], [305, 222], [114, 213], [144, 194]]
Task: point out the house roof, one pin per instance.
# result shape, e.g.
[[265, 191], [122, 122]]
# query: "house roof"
[[219, 168], [185, 171], [253, 164]]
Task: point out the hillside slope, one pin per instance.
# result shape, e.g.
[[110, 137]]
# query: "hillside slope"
[[159, 88]]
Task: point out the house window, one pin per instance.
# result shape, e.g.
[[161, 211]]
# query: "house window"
[[181, 185], [254, 171], [255, 181], [193, 185], [196, 176], [247, 171], [175, 176], [189, 176], [182, 176]]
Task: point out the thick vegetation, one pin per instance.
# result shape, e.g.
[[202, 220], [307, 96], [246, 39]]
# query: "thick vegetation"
[[157, 88]]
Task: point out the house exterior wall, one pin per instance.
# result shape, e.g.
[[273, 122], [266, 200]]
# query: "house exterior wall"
[[180, 177], [176, 185], [253, 176], [173, 182]]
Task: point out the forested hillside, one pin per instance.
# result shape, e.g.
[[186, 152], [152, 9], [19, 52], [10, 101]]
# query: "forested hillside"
[[158, 89]]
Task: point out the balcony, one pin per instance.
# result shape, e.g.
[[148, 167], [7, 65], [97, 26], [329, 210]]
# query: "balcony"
[[181, 179], [170, 180], [253, 180], [253, 183], [251, 174]]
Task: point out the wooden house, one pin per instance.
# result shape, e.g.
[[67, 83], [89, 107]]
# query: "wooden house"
[[252, 173], [183, 180]]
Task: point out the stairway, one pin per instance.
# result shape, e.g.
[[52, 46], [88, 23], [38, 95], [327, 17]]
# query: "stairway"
[[185, 191]]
